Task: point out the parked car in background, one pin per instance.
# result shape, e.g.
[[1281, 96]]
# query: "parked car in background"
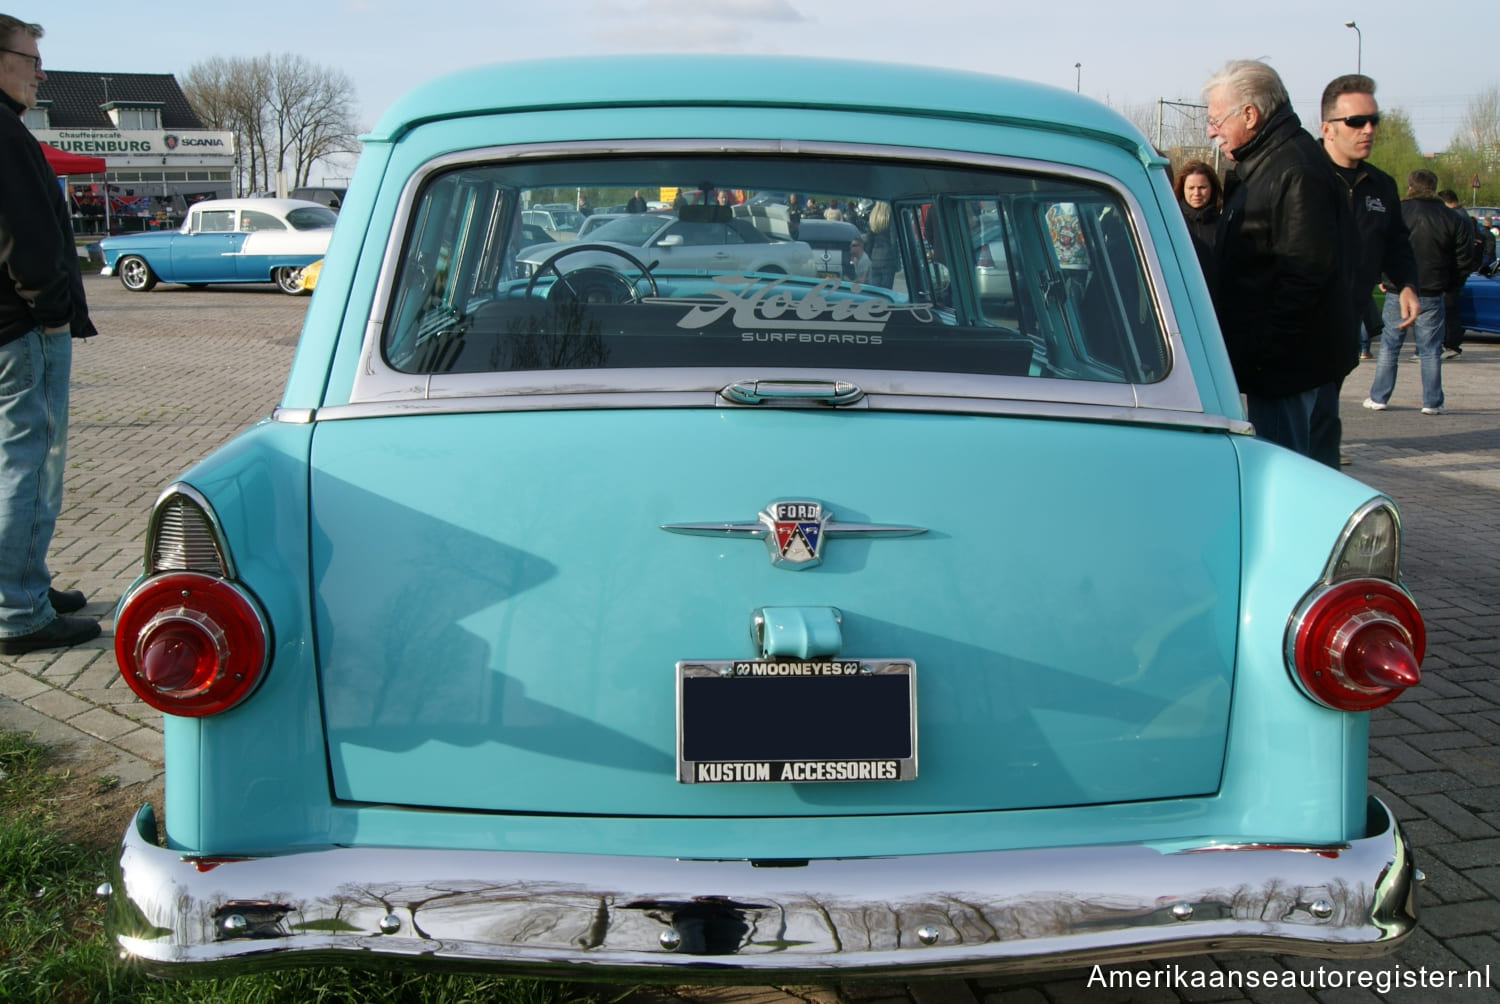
[[307, 276], [333, 198], [560, 224], [1479, 304], [664, 618], [597, 220], [829, 240], [225, 241], [694, 238]]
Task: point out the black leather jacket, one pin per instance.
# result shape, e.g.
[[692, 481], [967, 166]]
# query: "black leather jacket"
[[1284, 272], [1442, 243], [41, 283]]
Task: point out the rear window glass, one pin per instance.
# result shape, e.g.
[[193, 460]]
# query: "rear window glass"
[[978, 271], [311, 218]]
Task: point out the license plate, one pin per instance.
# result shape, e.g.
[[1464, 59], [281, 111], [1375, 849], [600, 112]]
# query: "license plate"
[[790, 721]]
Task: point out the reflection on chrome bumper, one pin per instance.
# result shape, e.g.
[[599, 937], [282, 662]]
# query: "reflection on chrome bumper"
[[601, 916]]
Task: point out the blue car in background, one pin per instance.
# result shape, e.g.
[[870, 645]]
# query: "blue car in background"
[[1479, 303], [643, 616], [225, 241]]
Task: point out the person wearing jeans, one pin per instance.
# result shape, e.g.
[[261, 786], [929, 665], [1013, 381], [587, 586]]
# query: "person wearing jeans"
[[1428, 334], [42, 308], [1443, 246]]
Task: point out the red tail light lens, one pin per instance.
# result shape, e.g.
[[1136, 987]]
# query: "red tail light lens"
[[1356, 645], [984, 258], [191, 644]]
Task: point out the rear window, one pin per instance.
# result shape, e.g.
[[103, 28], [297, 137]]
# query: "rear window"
[[311, 218], [971, 270]]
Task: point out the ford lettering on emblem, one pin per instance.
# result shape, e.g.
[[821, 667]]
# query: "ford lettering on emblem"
[[794, 530]]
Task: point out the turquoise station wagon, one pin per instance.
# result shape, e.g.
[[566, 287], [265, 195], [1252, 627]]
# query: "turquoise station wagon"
[[594, 614]]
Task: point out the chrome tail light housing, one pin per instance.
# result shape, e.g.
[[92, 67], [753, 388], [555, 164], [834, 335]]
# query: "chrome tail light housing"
[[1356, 640], [189, 640]]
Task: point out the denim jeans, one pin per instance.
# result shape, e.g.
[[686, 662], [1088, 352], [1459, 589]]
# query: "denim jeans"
[[1429, 338], [33, 446], [1286, 421]]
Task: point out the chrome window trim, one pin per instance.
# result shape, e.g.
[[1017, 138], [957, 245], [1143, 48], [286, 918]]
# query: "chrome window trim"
[[600, 400], [375, 382]]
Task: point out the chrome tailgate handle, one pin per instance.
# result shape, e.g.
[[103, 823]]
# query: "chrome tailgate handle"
[[830, 392]]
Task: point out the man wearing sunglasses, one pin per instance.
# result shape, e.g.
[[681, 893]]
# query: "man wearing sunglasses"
[[1282, 255], [42, 309], [1383, 245]]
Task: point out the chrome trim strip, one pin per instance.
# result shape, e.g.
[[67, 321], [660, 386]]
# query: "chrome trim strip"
[[293, 416], [156, 526], [1330, 569], [700, 399], [925, 915], [377, 382]]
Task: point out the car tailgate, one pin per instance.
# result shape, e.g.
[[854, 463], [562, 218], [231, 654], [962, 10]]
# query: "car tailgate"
[[500, 613]]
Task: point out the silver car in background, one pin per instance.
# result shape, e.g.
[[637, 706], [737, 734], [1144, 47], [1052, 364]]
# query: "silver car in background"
[[669, 243]]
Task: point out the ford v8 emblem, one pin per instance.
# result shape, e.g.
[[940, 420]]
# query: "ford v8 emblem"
[[794, 531]]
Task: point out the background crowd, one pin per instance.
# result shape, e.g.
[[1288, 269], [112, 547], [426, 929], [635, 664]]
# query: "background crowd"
[[1311, 254]]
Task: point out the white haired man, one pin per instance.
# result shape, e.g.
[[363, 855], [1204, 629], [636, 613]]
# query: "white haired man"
[[1283, 286]]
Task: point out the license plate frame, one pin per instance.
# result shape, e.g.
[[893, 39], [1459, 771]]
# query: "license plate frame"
[[834, 720]]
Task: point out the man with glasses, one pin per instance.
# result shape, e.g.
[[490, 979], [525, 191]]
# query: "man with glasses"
[[42, 309], [857, 268], [1282, 255], [1383, 245]]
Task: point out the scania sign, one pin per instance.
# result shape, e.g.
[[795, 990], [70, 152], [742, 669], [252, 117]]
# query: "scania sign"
[[173, 141], [127, 143]]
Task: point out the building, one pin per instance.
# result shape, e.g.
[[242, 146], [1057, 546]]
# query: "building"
[[159, 157]]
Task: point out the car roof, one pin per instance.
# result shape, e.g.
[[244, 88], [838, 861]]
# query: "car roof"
[[780, 81], [826, 230], [282, 206]]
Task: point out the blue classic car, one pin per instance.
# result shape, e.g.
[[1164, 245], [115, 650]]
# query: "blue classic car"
[[615, 619], [225, 241], [1479, 303]]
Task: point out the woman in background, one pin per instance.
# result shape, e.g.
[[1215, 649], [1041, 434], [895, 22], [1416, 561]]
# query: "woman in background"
[[1200, 196]]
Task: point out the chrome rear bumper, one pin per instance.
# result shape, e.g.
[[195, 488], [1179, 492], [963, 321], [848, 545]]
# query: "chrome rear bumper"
[[602, 916]]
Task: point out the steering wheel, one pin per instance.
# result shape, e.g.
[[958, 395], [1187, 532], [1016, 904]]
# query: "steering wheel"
[[591, 277]]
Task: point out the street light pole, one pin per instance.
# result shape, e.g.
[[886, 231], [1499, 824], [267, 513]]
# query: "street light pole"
[[1078, 83], [1359, 52]]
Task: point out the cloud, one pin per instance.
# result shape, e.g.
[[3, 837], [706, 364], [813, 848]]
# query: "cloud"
[[688, 25], [668, 17]]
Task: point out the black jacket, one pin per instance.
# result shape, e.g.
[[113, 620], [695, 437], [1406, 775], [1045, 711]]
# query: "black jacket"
[[41, 283], [1202, 224], [1283, 285], [1384, 247], [1442, 242]]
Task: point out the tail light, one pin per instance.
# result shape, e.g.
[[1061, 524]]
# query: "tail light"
[[191, 644], [984, 259], [1357, 639]]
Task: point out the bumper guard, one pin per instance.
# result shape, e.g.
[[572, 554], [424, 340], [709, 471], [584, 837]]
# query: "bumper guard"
[[590, 916]]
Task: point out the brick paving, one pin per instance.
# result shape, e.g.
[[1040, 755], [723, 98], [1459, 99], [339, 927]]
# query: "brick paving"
[[178, 371]]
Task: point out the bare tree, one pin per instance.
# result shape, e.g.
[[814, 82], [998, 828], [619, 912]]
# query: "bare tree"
[[286, 113], [1480, 129]]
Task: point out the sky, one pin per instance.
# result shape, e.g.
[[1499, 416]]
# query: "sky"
[[1131, 53]]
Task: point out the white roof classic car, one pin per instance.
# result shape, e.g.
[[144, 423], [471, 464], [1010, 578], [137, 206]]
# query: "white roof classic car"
[[225, 241]]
